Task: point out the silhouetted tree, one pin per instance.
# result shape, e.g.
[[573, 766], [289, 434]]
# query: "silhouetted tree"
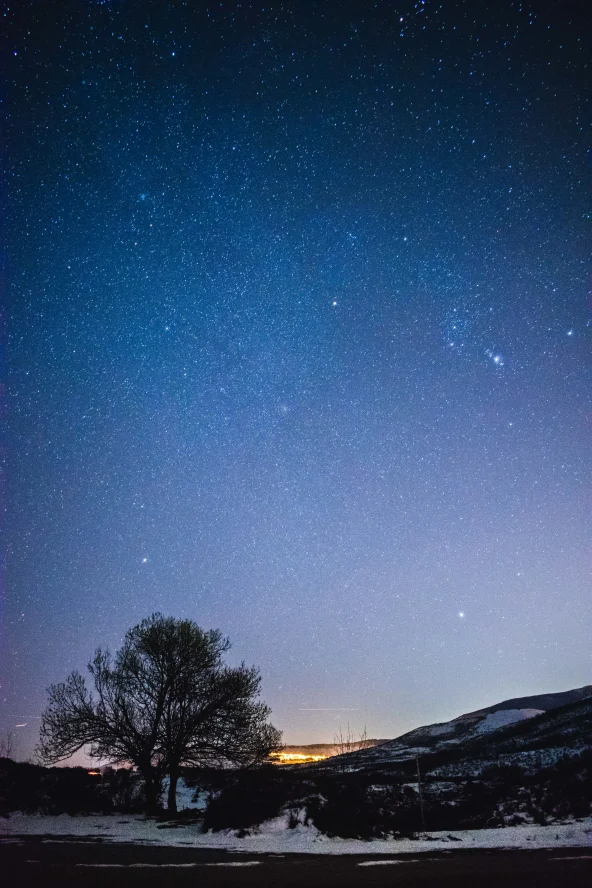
[[212, 714], [165, 700], [7, 745]]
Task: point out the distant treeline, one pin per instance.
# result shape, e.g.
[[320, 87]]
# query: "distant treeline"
[[36, 789]]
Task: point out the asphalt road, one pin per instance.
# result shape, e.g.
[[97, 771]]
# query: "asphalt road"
[[48, 862]]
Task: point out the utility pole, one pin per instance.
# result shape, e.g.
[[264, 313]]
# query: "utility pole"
[[420, 793]]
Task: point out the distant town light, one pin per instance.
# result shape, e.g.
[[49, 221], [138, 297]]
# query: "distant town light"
[[294, 758]]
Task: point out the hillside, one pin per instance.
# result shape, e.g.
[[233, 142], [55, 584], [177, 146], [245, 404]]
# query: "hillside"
[[536, 716]]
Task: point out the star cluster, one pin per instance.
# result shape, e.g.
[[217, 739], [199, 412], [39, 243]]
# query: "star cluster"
[[298, 310]]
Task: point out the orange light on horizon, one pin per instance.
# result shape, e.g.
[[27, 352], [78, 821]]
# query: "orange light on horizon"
[[294, 758]]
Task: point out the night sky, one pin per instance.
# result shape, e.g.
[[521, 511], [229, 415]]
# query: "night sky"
[[297, 346]]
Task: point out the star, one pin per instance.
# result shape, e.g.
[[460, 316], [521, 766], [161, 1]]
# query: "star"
[[495, 357]]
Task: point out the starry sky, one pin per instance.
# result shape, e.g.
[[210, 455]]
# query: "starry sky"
[[295, 344]]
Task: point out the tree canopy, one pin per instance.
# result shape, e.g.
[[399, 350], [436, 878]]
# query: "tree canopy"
[[165, 700]]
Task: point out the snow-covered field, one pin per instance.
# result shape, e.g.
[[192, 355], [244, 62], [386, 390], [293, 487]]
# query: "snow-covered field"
[[274, 836]]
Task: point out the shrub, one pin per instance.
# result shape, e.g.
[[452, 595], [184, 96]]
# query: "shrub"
[[349, 808], [253, 796]]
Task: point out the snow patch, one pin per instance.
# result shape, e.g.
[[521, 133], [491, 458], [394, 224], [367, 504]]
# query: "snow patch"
[[503, 717], [438, 730], [578, 857], [167, 865], [275, 837], [384, 862], [236, 863], [186, 796]]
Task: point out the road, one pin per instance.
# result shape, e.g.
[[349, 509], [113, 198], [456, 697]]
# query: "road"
[[89, 864]]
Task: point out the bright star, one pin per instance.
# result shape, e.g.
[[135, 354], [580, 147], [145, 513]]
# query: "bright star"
[[461, 614], [497, 359]]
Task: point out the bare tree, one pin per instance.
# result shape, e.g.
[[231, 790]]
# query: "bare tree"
[[348, 742], [167, 700], [344, 744], [7, 745]]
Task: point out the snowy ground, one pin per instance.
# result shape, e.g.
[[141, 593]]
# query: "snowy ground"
[[274, 836], [185, 796]]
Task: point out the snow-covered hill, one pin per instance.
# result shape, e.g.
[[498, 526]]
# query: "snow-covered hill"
[[454, 735]]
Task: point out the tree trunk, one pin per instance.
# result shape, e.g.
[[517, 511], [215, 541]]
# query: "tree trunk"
[[172, 797], [152, 790]]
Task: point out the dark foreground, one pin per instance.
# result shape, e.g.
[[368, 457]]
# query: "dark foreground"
[[39, 862]]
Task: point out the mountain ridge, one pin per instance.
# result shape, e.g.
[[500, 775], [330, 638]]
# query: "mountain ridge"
[[540, 701], [468, 729]]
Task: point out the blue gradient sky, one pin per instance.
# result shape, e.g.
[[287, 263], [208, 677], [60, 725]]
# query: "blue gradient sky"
[[297, 346]]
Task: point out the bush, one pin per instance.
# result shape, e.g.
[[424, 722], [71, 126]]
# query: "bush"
[[349, 808], [253, 797], [20, 787], [32, 788], [125, 790], [35, 789]]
